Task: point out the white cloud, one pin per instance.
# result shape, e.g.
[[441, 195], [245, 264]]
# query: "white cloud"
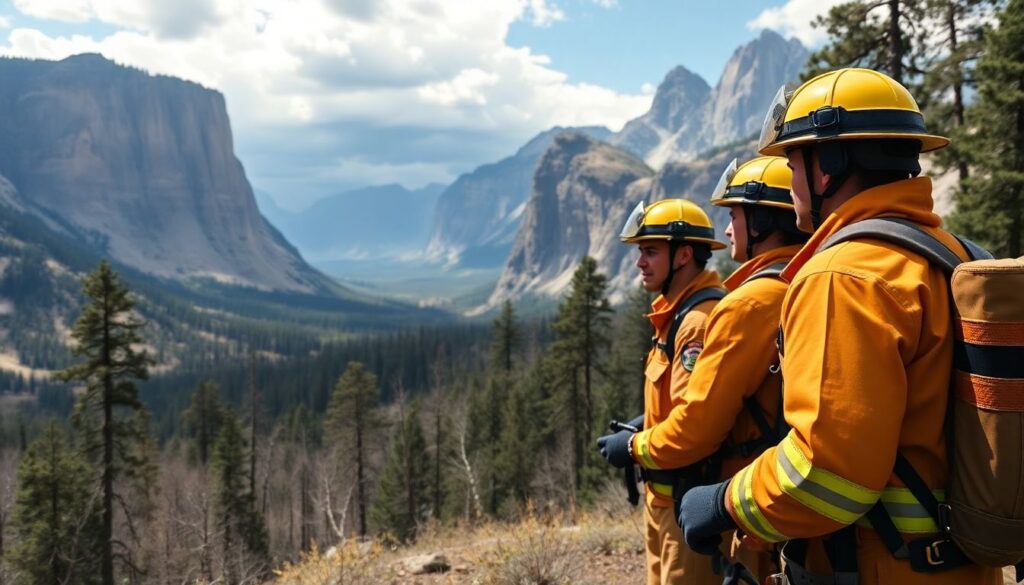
[[544, 14], [606, 3], [794, 19], [4, 22], [61, 10], [391, 83]]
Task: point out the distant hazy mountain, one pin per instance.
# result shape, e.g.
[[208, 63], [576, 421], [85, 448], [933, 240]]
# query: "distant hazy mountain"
[[143, 168], [370, 222], [476, 218], [687, 117]]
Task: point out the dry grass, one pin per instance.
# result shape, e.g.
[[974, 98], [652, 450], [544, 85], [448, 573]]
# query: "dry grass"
[[346, 564], [602, 545]]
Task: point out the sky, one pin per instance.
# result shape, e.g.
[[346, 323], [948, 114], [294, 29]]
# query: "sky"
[[329, 95]]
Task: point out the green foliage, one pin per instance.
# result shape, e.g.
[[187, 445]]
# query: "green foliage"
[[582, 330], [108, 414], [243, 534], [990, 205], [402, 501], [886, 35], [57, 520], [202, 419], [351, 426]]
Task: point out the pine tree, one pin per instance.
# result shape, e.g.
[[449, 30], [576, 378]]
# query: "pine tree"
[[524, 434], [402, 499], [955, 45], [351, 423], [107, 412], [57, 520], [243, 535], [488, 406], [624, 394], [990, 204], [886, 35], [203, 417], [581, 330]]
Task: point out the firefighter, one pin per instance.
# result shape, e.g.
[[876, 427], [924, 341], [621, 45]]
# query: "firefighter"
[[674, 239], [866, 344]]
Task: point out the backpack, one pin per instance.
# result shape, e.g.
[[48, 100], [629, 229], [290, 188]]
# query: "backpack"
[[983, 519]]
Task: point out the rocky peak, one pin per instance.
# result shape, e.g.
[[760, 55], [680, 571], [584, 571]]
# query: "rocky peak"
[[749, 81], [679, 95]]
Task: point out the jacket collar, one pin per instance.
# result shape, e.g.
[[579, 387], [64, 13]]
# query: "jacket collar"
[[908, 199], [760, 262]]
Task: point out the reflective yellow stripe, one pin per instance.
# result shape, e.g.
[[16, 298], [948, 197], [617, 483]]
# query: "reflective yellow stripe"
[[824, 492], [745, 506], [662, 489], [906, 512], [642, 449]]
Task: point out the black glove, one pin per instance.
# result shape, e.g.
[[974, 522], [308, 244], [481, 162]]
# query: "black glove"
[[703, 518], [615, 448], [637, 422]]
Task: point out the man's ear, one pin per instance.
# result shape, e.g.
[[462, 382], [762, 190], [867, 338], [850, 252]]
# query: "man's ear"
[[684, 255]]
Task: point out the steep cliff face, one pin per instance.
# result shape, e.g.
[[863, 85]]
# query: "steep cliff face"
[[583, 192], [477, 217], [143, 167], [687, 117]]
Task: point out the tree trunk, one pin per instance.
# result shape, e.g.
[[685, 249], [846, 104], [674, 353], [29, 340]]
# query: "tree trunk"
[[895, 42], [958, 84], [107, 561]]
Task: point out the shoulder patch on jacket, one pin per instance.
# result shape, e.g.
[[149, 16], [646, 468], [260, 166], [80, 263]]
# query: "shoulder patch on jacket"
[[691, 351]]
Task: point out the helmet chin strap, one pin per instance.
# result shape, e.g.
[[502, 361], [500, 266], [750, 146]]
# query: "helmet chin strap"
[[817, 200], [750, 211], [672, 247]]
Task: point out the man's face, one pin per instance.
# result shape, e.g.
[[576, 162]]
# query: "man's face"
[[737, 233], [801, 194], [653, 263]]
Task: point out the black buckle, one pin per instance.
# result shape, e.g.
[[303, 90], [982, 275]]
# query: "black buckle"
[[752, 188], [680, 227], [935, 555], [944, 511], [824, 117]]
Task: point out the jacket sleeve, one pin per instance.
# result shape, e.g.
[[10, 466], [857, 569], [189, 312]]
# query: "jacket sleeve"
[[847, 337], [739, 347]]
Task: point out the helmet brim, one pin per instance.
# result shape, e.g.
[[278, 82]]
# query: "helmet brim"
[[715, 244], [929, 142], [731, 201]]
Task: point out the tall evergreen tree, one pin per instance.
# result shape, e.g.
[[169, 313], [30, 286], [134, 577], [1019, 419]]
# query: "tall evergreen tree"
[[990, 204], [352, 423], [402, 496], [107, 412], [202, 419], [57, 518], [886, 35], [954, 46], [581, 330], [243, 535], [523, 435], [624, 394]]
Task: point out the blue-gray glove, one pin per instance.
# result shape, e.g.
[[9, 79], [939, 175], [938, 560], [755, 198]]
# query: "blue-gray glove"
[[615, 448], [703, 517]]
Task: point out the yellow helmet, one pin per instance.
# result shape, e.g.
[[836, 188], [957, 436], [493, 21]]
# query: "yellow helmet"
[[676, 220], [764, 181], [846, 104]]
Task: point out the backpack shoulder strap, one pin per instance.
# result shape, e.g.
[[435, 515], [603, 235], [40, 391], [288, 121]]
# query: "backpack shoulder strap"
[[773, 271], [901, 232], [698, 297]]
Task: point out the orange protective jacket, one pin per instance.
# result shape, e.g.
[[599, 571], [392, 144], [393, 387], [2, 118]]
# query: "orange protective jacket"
[[866, 359], [739, 349], [663, 386]]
